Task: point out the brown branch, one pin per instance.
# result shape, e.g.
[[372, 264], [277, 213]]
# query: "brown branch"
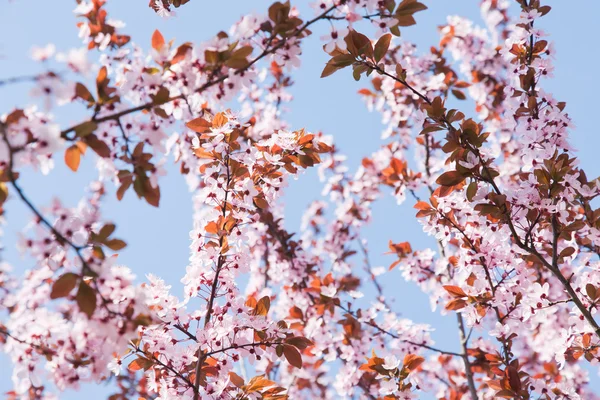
[[372, 323], [516, 238], [39, 348], [59, 236], [368, 268], [465, 356], [210, 83], [464, 339], [366, 16], [279, 237], [169, 368], [185, 331], [29, 78], [267, 264], [215, 283], [240, 346]]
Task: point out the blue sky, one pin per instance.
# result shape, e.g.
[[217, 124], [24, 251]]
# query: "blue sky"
[[158, 238]]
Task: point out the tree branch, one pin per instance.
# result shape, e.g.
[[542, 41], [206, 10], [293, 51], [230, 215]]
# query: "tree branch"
[[210, 83]]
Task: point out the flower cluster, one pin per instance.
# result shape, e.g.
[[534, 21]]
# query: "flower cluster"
[[264, 313]]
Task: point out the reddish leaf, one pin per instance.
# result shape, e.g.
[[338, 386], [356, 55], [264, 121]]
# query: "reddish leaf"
[[102, 76], [450, 178], [513, 378], [336, 63], [456, 304], [421, 205], [181, 53], [106, 231], [567, 251], [152, 194], [505, 394], [219, 120], [99, 146], [299, 342], [296, 313], [158, 41], [201, 153], [64, 285], [199, 125], [72, 157], [86, 299], [116, 244], [139, 364], [261, 203], [262, 307], [459, 94], [85, 128], [591, 291], [358, 44], [412, 361], [161, 97], [471, 190], [409, 7], [236, 379], [455, 291], [83, 93], [125, 184], [292, 355], [14, 116], [382, 46]]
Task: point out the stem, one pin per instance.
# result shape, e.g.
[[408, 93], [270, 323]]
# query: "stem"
[[281, 239], [240, 346], [210, 83], [465, 357], [464, 339], [393, 335], [29, 78], [213, 292], [516, 238], [63, 241], [167, 367], [368, 268]]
